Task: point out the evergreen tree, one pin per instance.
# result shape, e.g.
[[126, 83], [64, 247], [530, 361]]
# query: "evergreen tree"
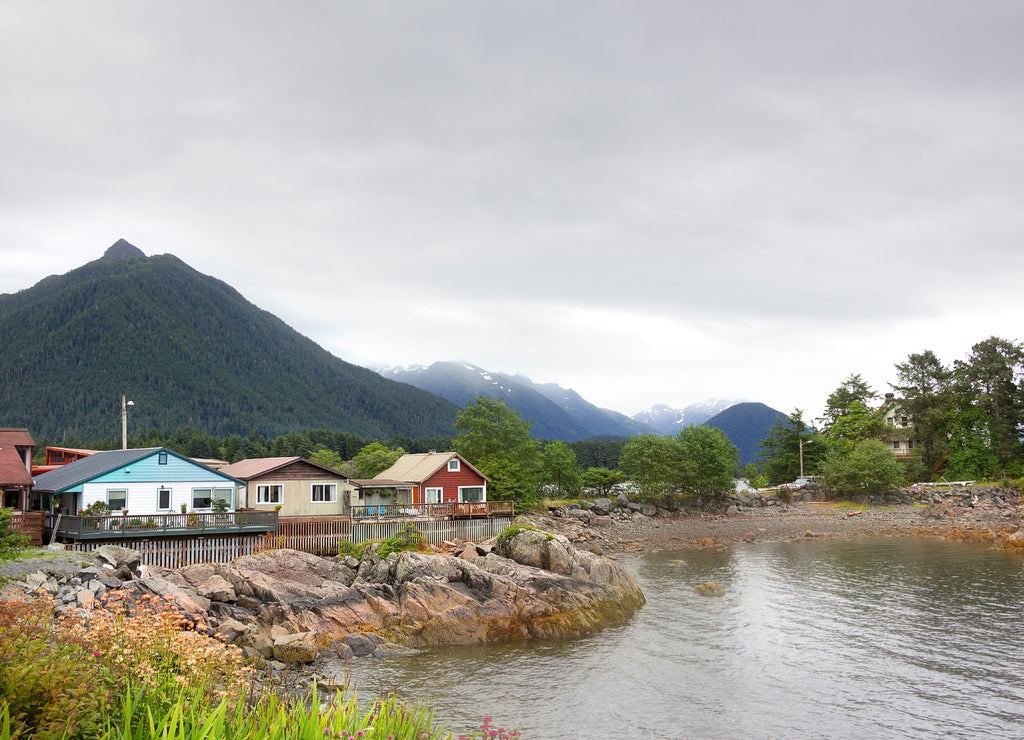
[[924, 392]]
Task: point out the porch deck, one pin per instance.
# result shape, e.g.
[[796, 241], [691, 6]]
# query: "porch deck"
[[161, 525]]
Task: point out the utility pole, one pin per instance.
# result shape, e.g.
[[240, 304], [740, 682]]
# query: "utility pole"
[[124, 422]]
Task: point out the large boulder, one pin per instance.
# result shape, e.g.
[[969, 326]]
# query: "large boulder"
[[300, 647]]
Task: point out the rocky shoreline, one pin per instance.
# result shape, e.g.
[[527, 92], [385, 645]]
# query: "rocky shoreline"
[[550, 576], [978, 513], [289, 607]]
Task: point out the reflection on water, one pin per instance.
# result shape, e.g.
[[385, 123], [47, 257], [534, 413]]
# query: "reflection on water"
[[866, 638]]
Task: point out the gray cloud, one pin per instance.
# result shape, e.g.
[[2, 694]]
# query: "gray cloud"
[[657, 202]]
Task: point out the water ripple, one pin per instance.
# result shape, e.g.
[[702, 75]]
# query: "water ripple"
[[866, 638]]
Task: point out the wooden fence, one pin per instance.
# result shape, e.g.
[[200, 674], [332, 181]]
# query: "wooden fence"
[[178, 552], [435, 531], [318, 535], [30, 524]]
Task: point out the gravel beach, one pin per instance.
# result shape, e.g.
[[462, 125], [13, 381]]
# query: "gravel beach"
[[789, 522]]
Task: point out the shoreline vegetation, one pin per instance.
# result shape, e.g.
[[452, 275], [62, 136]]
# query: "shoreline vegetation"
[[134, 670], [139, 670]]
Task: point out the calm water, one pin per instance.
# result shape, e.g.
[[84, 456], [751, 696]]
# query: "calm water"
[[868, 638]]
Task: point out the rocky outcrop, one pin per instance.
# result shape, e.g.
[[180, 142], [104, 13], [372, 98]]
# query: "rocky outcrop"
[[287, 605]]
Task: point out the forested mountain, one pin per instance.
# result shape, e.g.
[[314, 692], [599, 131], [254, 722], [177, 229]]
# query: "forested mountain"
[[746, 425], [556, 413], [190, 351]]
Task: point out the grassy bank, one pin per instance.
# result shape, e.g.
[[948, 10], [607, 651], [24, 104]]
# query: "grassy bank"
[[138, 670]]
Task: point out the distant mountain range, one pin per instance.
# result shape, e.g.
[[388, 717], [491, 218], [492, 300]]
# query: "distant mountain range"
[[555, 412], [190, 351], [667, 420]]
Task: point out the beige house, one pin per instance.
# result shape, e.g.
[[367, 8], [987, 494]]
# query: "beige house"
[[901, 437], [298, 486]]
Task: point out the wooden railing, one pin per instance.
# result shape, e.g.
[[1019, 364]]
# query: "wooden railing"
[[452, 509], [161, 525]]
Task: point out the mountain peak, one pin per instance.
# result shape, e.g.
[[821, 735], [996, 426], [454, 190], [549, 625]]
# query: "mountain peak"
[[123, 250]]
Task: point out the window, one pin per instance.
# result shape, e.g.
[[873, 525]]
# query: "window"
[[161, 458], [471, 494], [268, 494], [453, 465], [202, 498], [163, 498], [896, 445], [224, 494], [325, 493], [117, 499], [433, 495]]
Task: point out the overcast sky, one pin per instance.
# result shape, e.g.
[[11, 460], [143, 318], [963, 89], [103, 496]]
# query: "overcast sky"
[[647, 202]]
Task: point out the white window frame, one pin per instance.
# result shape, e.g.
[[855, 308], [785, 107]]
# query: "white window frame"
[[124, 505], [228, 494], [437, 492], [453, 465], [269, 493], [195, 506], [170, 498], [483, 494], [328, 493]]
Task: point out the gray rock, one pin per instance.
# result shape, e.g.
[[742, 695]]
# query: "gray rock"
[[601, 506], [361, 644], [582, 515], [300, 647], [217, 588], [117, 556], [232, 631]]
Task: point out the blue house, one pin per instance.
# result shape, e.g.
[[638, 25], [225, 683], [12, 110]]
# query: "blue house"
[[145, 482]]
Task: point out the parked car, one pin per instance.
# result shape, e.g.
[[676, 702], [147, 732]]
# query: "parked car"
[[807, 482]]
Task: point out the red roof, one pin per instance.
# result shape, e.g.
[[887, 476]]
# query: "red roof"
[[13, 471], [19, 437]]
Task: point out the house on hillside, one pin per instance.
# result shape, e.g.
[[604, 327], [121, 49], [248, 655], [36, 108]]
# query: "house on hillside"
[[300, 487], [901, 439], [426, 478], [147, 481], [16, 448]]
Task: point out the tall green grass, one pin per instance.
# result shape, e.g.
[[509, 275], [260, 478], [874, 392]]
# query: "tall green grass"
[[137, 670]]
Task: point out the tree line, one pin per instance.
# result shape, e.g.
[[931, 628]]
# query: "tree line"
[[965, 421]]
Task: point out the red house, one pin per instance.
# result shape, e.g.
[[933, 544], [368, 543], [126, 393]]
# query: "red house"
[[431, 478], [16, 448]]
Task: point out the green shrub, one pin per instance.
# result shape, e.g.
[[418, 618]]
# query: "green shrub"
[[97, 508], [409, 539], [347, 548]]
